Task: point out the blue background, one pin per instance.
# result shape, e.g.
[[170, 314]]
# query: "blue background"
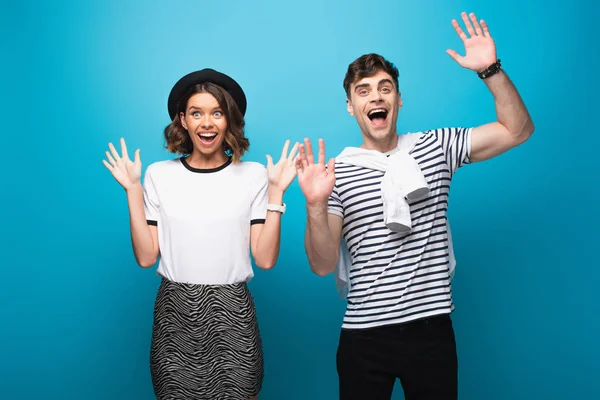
[[77, 311]]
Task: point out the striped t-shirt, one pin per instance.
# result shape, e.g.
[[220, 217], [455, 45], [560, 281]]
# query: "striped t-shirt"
[[397, 277]]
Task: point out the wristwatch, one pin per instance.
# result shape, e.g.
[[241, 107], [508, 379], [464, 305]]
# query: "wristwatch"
[[275, 207]]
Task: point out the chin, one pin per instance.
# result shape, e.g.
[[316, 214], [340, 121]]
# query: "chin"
[[209, 150], [382, 134]]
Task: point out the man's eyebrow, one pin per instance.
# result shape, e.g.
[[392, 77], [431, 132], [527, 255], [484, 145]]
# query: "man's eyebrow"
[[362, 85]]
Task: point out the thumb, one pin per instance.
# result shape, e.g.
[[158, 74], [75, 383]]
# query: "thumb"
[[269, 161], [455, 56], [136, 157]]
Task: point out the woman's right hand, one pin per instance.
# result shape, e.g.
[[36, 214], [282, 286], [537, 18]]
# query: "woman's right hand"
[[125, 171]]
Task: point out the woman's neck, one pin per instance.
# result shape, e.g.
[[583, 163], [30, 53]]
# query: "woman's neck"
[[204, 161]]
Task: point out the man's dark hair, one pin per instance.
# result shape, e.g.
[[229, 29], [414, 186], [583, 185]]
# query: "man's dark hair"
[[368, 65]]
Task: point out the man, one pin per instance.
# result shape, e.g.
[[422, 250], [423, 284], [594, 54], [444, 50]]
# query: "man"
[[397, 322]]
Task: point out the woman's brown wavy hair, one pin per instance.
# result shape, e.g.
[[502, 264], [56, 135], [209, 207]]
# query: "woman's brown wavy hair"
[[178, 140]]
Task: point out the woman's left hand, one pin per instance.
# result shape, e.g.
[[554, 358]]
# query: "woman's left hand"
[[283, 173]]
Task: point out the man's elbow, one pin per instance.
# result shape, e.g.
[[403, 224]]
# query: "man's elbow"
[[529, 128], [321, 270], [525, 133]]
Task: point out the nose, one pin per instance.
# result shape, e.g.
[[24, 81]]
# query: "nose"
[[375, 96], [206, 122]]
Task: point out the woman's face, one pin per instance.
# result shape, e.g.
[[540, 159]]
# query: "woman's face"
[[205, 122]]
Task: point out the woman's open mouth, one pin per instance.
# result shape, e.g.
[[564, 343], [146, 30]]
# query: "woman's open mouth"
[[207, 138]]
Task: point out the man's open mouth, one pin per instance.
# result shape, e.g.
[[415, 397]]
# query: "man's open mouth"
[[378, 116]]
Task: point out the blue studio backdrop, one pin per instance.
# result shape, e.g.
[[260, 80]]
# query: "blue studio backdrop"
[[76, 309]]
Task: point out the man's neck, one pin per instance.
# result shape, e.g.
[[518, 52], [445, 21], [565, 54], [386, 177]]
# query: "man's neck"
[[382, 146]]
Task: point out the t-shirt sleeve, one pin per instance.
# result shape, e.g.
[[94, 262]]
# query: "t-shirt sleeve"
[[334, 204], [260, 189], [151, 204], [456, 144]]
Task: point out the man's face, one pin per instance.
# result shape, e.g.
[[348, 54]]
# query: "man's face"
[[374, 102]]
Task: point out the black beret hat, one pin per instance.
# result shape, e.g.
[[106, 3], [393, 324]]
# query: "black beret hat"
[[206, 75]]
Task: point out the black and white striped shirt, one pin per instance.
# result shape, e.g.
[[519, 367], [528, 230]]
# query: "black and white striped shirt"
[[396, 277]]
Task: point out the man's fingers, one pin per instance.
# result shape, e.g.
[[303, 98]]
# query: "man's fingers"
[[299, 169], [486, 30], [309, 152], [476, 24], [459, 31], [465, 19], [303, 161], [331, 166], [455, 56], [321, 151]]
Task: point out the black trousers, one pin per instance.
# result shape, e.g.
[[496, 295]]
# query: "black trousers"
[[422, 354]]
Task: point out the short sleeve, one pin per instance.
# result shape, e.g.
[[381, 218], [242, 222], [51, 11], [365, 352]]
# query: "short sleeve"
[[456, 144], [334, 204], [260, 189], [151, 204]]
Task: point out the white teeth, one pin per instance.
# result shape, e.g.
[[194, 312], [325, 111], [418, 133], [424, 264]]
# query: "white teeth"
[[208, 135], [377, 110]]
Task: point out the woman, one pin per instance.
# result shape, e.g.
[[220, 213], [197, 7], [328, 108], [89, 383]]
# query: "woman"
[[204, 213]]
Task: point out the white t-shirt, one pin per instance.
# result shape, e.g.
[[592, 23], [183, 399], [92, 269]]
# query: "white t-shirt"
[[204, 217]]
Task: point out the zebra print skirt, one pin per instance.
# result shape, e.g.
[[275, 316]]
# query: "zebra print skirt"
[[205, 342]]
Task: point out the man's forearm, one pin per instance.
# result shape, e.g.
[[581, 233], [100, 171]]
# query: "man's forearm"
[[321, 249], [510, 108]]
